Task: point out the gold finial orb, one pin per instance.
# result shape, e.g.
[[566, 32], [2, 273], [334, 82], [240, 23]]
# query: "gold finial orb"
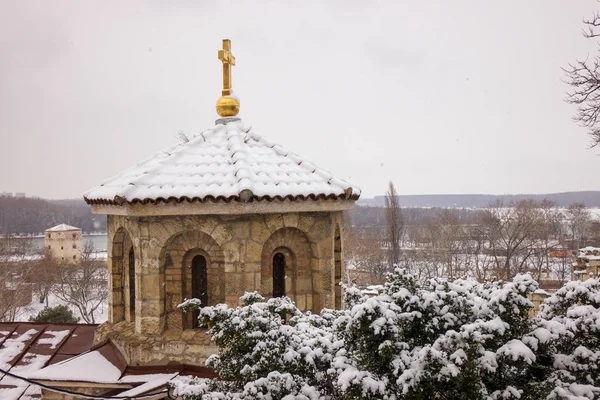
[[227, 105]]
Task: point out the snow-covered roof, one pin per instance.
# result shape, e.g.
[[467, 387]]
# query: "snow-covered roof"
[[150, 384], [27, 347], [77, 369], [56, 353], [228, 162], [63, 227]]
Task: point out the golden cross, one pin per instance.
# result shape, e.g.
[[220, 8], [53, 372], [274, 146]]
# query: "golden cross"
[[228, 61]]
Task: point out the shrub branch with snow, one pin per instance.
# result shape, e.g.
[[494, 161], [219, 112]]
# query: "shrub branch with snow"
[[413, 340]]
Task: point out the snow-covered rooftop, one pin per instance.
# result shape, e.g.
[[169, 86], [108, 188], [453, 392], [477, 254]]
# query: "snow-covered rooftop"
[[26, 348], [228, 162], [77, 369], [589, 253], [63, 227], [110, 367]]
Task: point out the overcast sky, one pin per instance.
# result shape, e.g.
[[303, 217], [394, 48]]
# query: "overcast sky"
[[438, 96]]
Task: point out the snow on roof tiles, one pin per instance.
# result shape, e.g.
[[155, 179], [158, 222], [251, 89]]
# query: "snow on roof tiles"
[[107, 360], [227, 162], [77, 369], [63, 227], [25, 348]]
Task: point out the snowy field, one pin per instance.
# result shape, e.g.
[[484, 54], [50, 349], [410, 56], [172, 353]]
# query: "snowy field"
[[35, 307]]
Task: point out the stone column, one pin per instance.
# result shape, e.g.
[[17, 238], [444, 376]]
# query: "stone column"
[[115, 270], [149, 279], [338, 240], [324, 268]]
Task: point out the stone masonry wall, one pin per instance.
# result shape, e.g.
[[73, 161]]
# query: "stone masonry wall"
[[239, 251]]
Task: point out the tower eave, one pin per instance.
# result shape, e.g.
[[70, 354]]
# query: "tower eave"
[[223, 208]]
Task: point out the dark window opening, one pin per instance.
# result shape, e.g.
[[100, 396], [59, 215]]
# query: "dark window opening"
[[278, 275], [199, 285], [337, 290], [131, 283]]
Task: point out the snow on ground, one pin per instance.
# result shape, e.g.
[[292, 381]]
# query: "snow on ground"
[[35, 307]]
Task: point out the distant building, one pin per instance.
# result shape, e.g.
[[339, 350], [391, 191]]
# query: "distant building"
[[6, 194], [537, 298], [63, 243], [20, 195], [587, 264]]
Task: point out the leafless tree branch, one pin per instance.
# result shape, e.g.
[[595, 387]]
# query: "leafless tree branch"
[[583, 77]]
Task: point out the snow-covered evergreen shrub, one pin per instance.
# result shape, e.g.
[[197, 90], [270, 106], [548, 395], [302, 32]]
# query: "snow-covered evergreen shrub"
[[414, 340]]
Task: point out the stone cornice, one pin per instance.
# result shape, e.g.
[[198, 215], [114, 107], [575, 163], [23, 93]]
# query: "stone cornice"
[[222, 208]]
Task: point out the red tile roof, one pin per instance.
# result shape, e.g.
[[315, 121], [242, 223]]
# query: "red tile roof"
[[26, 347]]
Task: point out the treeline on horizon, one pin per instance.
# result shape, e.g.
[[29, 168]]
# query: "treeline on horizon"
[[32, 215], [564, 199]]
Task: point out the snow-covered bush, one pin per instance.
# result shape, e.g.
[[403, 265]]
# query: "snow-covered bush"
[[414, 340]]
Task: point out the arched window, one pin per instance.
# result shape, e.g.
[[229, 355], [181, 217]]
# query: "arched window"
[[199, 284], [278, 275], [337, 248], [131, 284]]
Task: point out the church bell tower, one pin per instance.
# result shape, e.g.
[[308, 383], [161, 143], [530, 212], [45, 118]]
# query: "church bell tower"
[[221, 213]]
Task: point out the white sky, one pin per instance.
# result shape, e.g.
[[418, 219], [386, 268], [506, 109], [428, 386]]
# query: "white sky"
[[438, 96]]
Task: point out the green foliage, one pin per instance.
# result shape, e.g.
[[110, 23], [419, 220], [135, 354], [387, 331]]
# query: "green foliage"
[[55, 315], [414, 340]]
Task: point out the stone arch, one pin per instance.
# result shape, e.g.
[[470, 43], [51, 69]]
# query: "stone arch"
[[338, 267], [296, 247], [177, 256], [119, 295]]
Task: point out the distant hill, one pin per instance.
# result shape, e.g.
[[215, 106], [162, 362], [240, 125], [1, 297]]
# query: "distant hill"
[[589, 198], [30, 215]]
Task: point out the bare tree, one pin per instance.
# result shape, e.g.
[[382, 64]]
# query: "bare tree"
[[16, 258], [14, 293], [395, 223], [583, 77], [510, 231], [14, 296], [546, 238], [44, 274], [562, 268], [578, 219], [364, 255], [83, 286], [450, 237], [480, 261]]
